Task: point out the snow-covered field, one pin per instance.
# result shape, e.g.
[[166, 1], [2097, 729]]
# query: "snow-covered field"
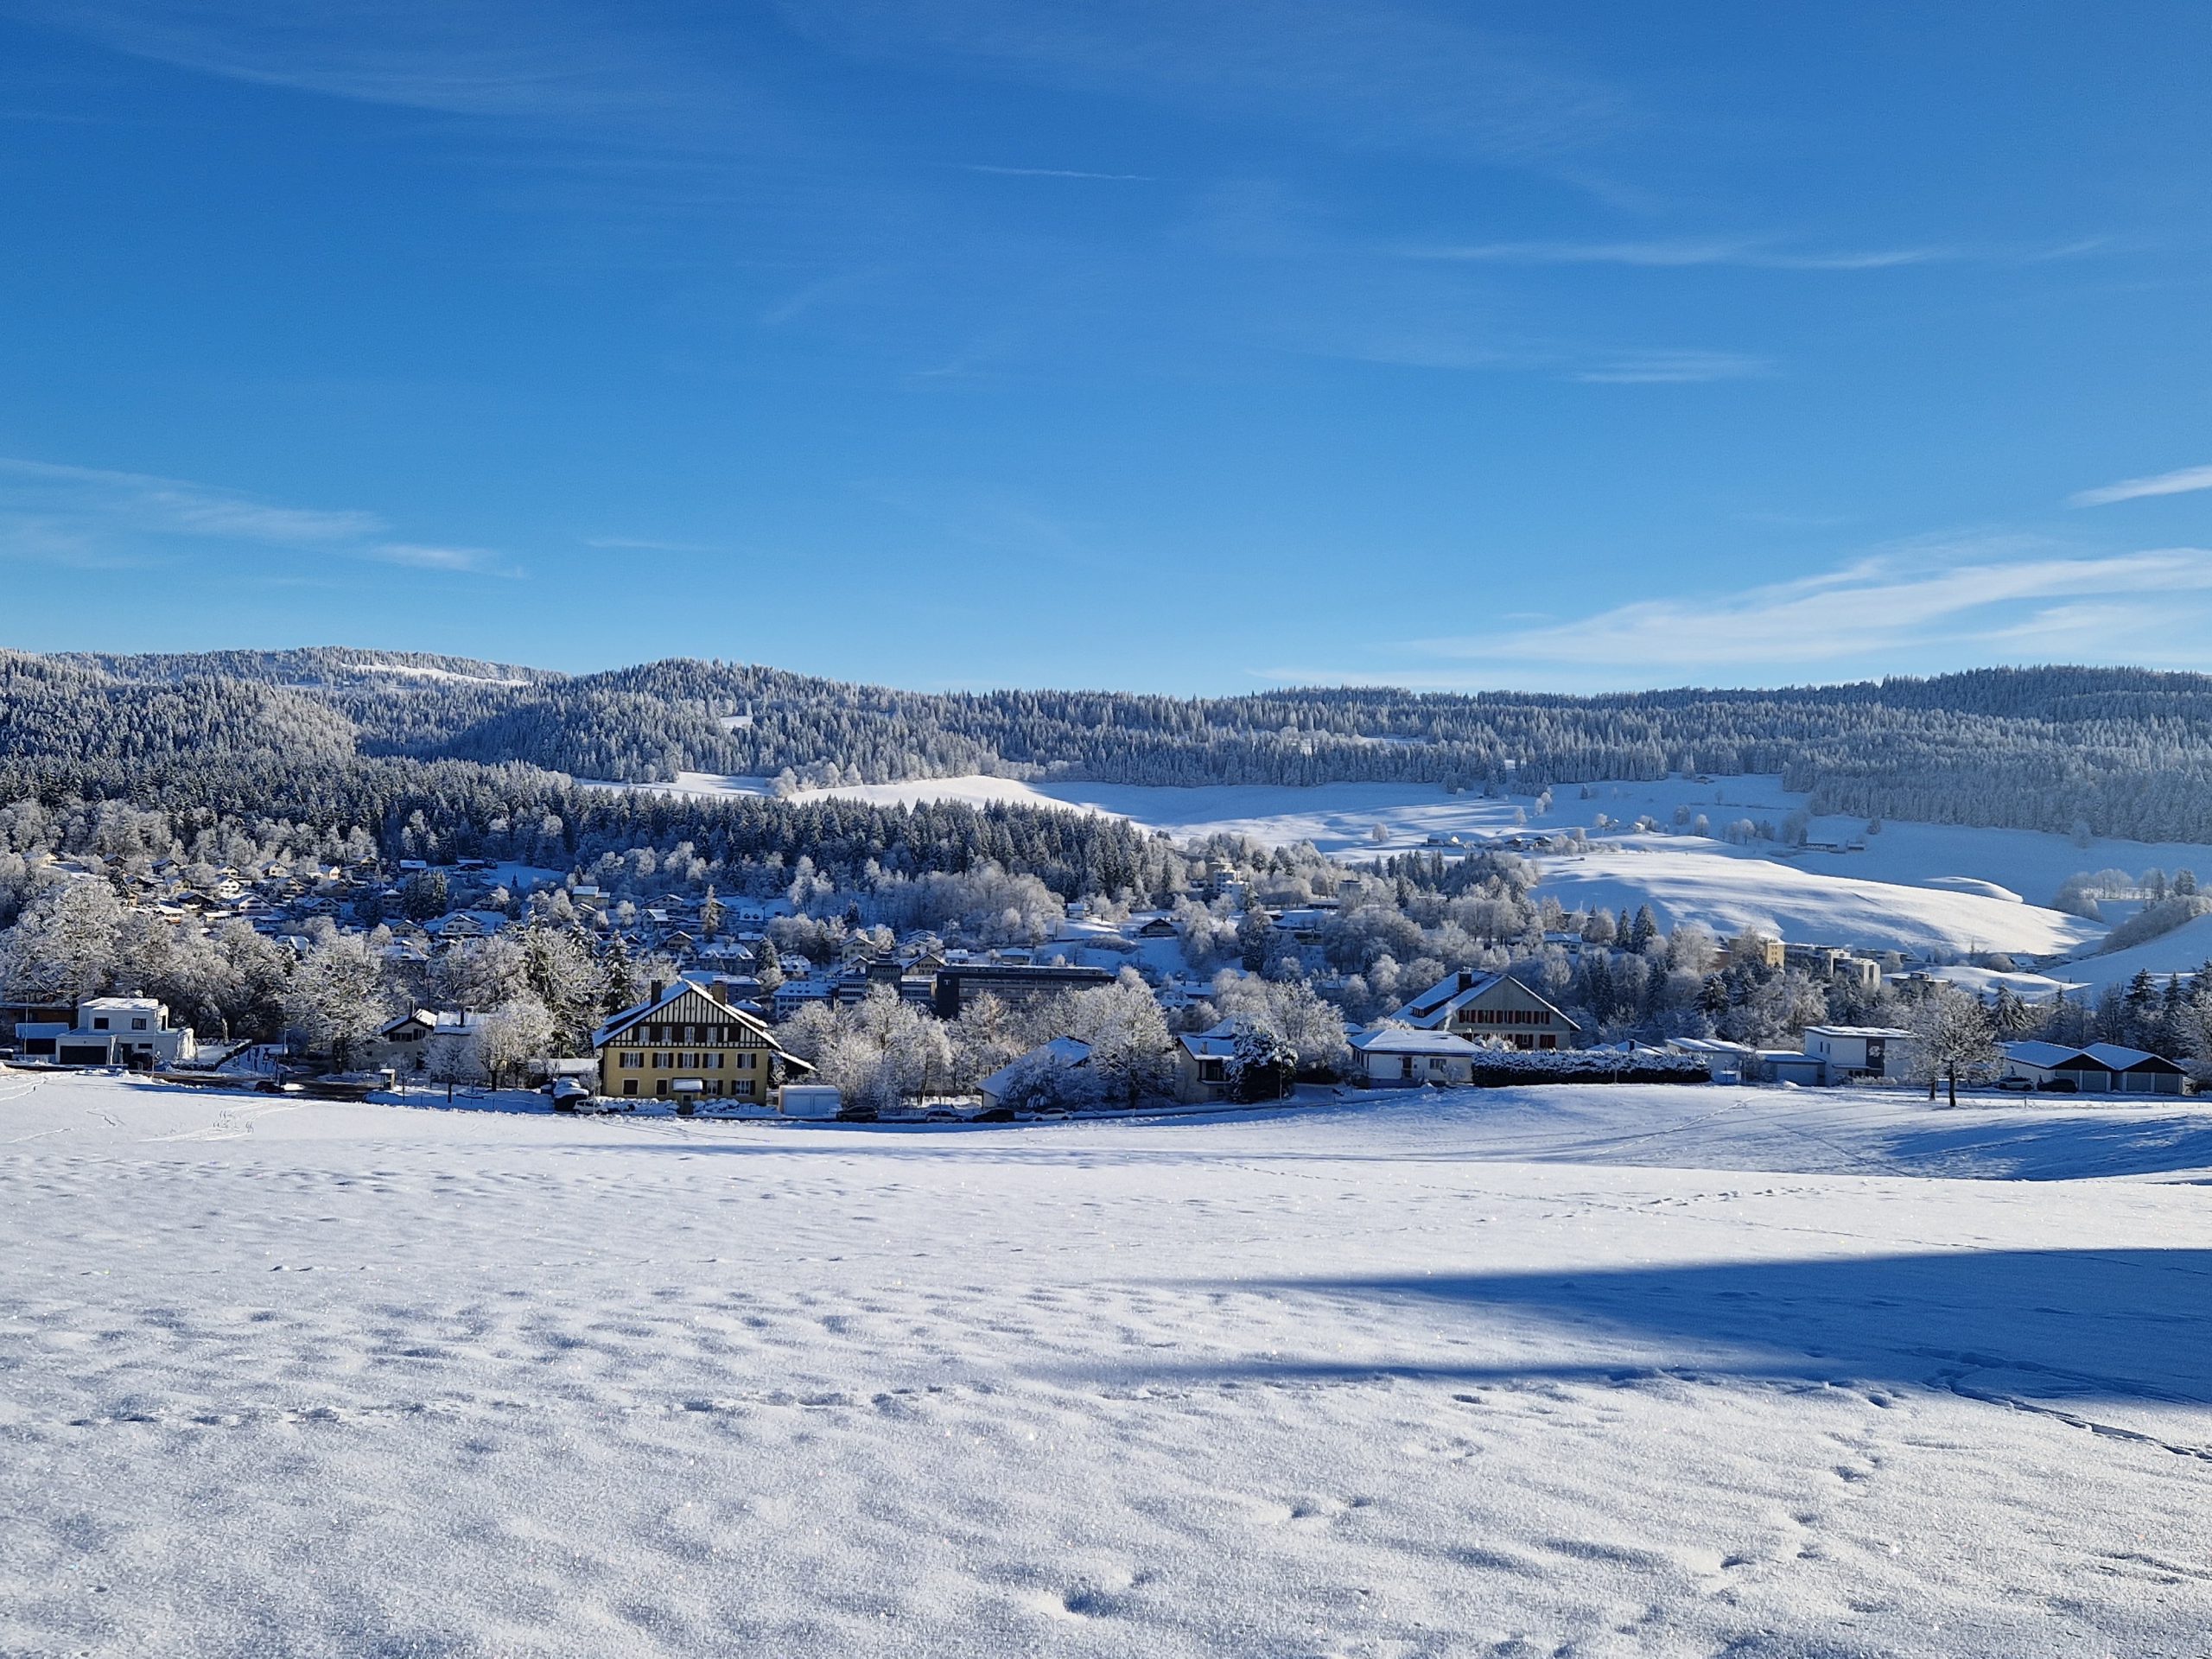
[[1783, 901], [1601, 1372]]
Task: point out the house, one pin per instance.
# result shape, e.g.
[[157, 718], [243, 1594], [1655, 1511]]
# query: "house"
[[1069, 1051], [1477, 1005], [1202, 1064], [1849, 1054], [439, 1044], [2099, 1068], [1391, 1057], [686, 1041], [1156, 927], [111, 1031]]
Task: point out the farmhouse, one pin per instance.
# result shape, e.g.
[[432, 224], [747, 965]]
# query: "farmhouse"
[[685, 1042], [1476, 1006]]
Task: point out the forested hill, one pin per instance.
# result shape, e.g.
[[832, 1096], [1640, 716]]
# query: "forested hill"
[[2123, 751]]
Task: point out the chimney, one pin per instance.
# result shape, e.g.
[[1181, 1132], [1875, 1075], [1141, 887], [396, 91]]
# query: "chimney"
[[659, 990], [1467, 979], [719, 989]]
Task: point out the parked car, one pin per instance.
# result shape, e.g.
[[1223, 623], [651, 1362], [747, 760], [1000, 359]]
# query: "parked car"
[[568, 1094], [2016, 1085]]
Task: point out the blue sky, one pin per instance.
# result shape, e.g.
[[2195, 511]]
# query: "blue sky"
[[1136, 344]]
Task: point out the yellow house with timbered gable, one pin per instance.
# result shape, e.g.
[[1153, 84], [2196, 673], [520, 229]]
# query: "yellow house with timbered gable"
[[685, 1042]]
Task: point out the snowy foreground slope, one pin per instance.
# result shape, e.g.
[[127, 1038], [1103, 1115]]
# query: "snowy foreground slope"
[[1599, 1371]]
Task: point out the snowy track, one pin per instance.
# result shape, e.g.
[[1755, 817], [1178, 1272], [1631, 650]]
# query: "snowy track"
[[1600, 1371]]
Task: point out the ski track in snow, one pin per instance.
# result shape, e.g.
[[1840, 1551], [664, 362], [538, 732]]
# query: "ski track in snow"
[[1592, 1371]]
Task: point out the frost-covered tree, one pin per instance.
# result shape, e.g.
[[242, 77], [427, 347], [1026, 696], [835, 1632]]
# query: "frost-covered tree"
[[1951, 1039], [64, 948], [1132, 1054], [337, 996]]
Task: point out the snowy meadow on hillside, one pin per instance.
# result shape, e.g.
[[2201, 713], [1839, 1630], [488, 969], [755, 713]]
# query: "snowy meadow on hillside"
[[1607, 1370]]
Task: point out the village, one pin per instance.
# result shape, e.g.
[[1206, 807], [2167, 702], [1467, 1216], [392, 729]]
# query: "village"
[[750, 1006]]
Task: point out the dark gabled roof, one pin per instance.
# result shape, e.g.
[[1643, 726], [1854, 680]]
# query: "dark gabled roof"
[[1455, 990], [623, 1022]]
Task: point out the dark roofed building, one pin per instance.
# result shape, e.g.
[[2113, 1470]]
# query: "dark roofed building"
[[1010, 981]]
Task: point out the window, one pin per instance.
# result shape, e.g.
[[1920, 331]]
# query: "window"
[[137, 1024], [631, 1061], [100, 1023], [629, 1085]]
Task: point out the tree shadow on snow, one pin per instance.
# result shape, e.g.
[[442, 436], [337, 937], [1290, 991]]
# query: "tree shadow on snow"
[[2046, 1326]]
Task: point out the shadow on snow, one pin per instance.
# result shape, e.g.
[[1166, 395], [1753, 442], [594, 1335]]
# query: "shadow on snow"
[[2021, 1327]]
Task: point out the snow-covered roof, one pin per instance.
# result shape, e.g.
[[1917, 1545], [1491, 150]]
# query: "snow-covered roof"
[[451, 1020], [1070, 1050], [1855, 1031], [2113, 1057], [2044, 1055], [2126, 1060], [1434, 1006], [1395, 1039], [1447, 994], [1709, 1045], [1216, 1043]]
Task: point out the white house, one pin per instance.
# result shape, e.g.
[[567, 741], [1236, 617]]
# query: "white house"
[[115, 1031], [1393, 1057], [1848, 1053]]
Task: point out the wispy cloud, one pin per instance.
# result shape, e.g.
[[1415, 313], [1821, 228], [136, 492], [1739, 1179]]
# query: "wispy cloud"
[[2134, 489], [1745, 252], [1375, 76], [469, 57], [95, 517], [1055, 173], [1667, 254], [470, 561], [1982, 596], [1673, 368], [645, 544]]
